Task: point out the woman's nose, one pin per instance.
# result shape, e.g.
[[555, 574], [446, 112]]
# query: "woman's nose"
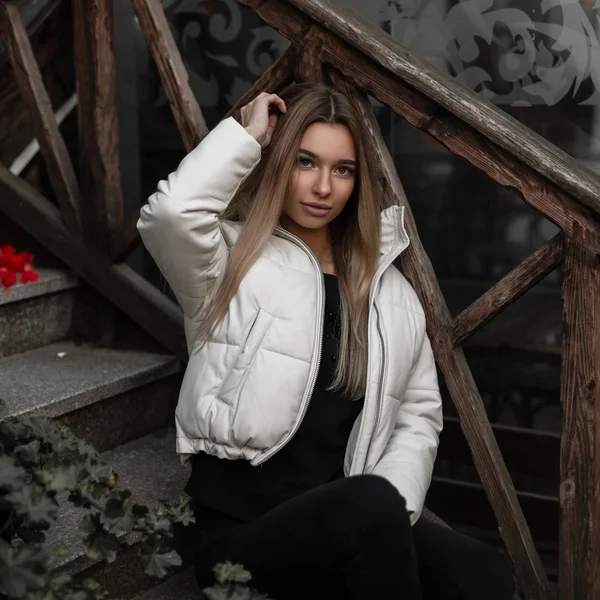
[[322, 185]]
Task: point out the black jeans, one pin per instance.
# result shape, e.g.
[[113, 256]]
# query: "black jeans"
[[352, 539]]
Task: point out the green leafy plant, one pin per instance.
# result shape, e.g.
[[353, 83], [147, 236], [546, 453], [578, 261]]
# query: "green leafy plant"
[[232, 584], [41, 464]]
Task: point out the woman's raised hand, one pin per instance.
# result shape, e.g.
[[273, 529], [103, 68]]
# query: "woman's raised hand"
[[259, 118]]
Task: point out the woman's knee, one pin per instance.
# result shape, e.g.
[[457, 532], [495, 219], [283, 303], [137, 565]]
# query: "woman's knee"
[[373, 501]]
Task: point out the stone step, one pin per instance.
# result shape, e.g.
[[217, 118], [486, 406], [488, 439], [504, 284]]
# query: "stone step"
[[151, 469], [36, 314], [106, 396]]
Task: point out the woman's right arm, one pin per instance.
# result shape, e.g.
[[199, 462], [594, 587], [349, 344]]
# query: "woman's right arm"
[[180, 224]]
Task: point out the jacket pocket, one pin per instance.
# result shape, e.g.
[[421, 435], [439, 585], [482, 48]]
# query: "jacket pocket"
[[249, 345]]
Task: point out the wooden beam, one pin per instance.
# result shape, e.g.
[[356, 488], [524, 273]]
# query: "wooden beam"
[[458, 378], [173, 73], [309, 66], [428, 115], [29, 79], [131, 293], [494, 124], [579, 575], [126, 238], [509, 289], [277, 76], [100, 176]]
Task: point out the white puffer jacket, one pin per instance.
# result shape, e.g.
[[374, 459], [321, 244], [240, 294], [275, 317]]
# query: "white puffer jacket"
[[245, 392]]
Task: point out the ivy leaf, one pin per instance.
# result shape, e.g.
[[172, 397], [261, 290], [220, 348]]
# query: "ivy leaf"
[[180, 511], [158, 564], [97, 472], [227, 572], [21, 569], [102, 546], [35, 506], [117, 516], [59, 479], [12, 476], [29, 453], [99, 544]]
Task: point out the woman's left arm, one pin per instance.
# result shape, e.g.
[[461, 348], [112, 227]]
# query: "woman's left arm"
[[407, 461]]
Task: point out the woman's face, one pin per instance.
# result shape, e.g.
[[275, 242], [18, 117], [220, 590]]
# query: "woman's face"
[[323, 178]]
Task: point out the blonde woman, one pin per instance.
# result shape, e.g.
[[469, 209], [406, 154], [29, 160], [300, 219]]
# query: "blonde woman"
[[310, 408]]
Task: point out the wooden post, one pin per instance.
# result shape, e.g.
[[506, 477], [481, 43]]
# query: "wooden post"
[[173, 73], [33, 91], [98, 121], [579, 571]]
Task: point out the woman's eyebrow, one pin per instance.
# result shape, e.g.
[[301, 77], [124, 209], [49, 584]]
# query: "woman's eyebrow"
[[345, 161]]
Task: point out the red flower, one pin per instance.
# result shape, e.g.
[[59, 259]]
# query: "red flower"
[[12, 263], [29, 274], [8, 278]]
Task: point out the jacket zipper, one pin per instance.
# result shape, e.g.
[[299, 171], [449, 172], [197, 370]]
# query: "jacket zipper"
[[380, 385], [313, 258], [392, 256]]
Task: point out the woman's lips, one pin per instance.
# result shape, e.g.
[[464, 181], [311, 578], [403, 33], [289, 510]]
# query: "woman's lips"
[[315, 211]]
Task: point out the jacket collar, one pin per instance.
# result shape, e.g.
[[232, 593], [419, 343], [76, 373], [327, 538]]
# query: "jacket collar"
[[393, 232]]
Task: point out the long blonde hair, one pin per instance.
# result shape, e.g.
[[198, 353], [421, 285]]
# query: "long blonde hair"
[[355, 233]]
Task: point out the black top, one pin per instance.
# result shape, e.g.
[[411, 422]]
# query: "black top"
[[315, 455]]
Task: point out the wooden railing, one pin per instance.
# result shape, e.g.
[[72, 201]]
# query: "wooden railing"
[[89, 231]]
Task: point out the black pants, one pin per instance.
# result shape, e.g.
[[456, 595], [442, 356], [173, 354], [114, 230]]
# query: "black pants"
[[352, 539]]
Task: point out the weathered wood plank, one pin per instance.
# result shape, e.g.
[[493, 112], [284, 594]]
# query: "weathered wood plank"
[[126, 238], [497, 126], [458, 378], [424, 113], [100, 176], [309, 66], [173, 73], [49, 39], [29, 79], [135, 296], [509, 289], [580, 448], [277, 76]]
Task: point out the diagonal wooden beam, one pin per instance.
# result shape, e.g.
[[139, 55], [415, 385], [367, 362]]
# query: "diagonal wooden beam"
[[29, 79], [277, 76], [173, 73], [127, 290], [579, 569], [100, 175], [458, 378], [509, 289], [126, 238]]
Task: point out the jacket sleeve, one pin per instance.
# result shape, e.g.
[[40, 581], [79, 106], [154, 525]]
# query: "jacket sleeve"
[[180, 223], [407, 461]]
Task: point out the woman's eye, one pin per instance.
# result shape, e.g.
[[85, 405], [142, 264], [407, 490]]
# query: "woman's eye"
[[345, 171], [304, 162]]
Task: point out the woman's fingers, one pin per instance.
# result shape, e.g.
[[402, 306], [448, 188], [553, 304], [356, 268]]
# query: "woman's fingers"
[[259, 119]]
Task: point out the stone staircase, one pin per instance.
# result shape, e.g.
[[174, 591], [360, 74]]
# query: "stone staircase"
[[121, 399]]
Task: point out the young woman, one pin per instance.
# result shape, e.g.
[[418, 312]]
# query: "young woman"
[[310, 408]]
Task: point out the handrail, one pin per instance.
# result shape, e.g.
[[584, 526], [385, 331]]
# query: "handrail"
[[496, 125]]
